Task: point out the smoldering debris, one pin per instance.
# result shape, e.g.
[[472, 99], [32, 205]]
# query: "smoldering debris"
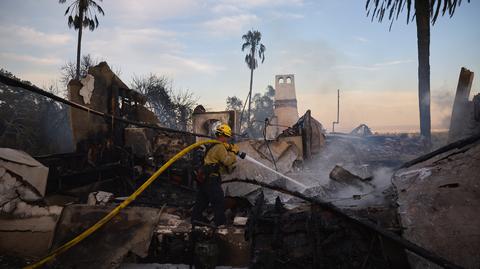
[[438, 203], [343, 176], [311, 237]]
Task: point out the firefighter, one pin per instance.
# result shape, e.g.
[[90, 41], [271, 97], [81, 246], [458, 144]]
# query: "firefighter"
[[219, 159]]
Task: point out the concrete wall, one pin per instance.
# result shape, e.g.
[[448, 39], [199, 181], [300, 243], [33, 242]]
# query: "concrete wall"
[[84, 124]]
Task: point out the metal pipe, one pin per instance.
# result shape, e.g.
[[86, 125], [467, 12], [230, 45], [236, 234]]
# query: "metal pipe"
[[338, 112]]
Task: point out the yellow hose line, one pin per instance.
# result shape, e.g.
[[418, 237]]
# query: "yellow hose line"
[[117, 209]]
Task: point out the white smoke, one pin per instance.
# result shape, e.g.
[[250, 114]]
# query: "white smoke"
[[316, 174]]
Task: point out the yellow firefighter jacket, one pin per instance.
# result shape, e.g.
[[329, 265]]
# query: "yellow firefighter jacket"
[[219, 156]]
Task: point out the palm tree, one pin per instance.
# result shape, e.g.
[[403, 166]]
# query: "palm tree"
[[83, 14], [426, 11], [252, 43]]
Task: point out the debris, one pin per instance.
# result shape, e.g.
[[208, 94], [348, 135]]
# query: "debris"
[[26, 226], [476, 107], [174, 238], [22, 180], [285, 153], [312, 133], [130, 231], [240, 221], [311, 237], [20, 164], [438, 204], [99, 198], [341, 174], [138, 139], [376, 150], [465, 120], [170, 223], [362, 130]]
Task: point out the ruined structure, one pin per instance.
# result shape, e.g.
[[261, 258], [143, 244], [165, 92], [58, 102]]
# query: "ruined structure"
[[438, 199], [103, 91], [26, 224], [465, 120], [206, 122], [286, 112], [347, 216]]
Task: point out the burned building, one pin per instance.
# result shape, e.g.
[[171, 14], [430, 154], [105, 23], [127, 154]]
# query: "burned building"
[[349, 215]]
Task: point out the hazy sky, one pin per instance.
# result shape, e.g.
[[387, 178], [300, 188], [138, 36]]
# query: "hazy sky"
[[328, 45]]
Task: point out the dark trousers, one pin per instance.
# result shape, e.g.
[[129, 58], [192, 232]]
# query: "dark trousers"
[[210, 192]]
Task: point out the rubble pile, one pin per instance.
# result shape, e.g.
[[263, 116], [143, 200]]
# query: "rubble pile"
[[438, 201], [387, 150], [348, 179], [311, 237], [177, 242], [27, 223], [22, 180], [128, 234]]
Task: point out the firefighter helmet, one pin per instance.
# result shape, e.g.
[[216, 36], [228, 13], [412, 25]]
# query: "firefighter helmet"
[[223, 129]]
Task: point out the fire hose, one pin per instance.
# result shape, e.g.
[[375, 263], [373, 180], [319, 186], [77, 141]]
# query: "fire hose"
[[117, 209]]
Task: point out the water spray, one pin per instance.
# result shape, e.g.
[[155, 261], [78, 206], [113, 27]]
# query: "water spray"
[[244, 156]]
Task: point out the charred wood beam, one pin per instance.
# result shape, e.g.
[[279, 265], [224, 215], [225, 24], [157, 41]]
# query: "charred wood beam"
[[58, 183], [94, 170], [15, 83], [455, 145], [58, 156], [430, 256]]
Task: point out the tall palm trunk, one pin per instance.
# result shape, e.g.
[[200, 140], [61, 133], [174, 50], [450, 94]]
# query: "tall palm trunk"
[[422, 18], [79, 44], [249, 122]]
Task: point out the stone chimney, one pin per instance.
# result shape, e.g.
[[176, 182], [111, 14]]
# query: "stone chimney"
[[286, 110]]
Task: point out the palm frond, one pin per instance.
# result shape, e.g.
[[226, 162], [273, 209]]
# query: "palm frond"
[[70, 22], [88, 8], [261, 52], [245, 45], [376, 9], [399, 8], [434, 15], [98, 7], [409, 8]]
